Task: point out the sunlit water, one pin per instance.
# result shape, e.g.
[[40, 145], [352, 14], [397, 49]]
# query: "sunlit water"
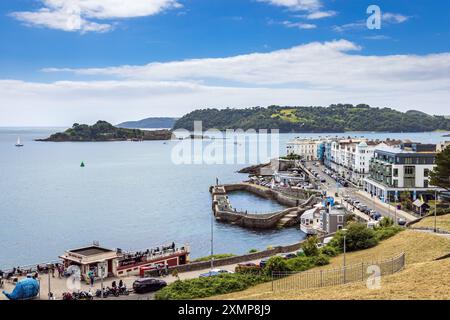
[[129, 195]]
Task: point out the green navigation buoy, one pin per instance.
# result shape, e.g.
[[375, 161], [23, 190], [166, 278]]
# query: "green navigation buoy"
[[82, 164]]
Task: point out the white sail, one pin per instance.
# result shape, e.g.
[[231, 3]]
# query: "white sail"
[[18, 144]]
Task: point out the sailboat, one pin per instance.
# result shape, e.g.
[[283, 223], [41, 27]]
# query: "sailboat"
[[18, 143]]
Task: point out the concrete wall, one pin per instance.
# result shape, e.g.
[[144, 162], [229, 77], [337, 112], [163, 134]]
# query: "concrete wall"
[[257, 221]]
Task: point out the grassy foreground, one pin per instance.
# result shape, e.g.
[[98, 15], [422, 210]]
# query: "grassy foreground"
[[442, 222], [423, 278]]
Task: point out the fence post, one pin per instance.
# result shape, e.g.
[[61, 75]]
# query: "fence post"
[[272, 281], [321, 278], [393, 259], [362, 271]]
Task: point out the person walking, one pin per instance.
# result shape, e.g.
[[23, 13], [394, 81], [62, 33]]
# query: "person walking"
[[91, 278]]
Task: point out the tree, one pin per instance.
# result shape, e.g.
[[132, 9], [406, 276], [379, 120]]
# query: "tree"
[[276, 264], [309, 246], [440, 176], [386, 222], [358, 237]]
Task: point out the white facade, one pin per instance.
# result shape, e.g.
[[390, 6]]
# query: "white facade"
[[305, 148], [396, 170], [350, 158]]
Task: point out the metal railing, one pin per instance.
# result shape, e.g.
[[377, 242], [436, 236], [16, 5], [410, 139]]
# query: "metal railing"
[[292, 281]]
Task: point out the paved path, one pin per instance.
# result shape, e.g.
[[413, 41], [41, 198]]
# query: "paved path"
[[60, 285]]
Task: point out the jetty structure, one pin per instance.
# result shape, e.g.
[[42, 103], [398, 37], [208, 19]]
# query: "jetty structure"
[[283, 180]]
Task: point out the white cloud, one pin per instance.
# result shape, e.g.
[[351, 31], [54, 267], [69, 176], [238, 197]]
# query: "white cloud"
[[394, 17], [311, 74], [298, 5], [299, 25], [80, 15], [320, 15]]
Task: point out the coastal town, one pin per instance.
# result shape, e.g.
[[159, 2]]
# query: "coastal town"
[[325, 184], [224, 159]]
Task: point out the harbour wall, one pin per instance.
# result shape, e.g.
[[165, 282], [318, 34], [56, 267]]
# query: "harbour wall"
[[223, 210]]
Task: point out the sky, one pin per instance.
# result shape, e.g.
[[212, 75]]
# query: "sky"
[[67, 61]]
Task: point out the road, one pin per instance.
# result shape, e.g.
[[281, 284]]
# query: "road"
[[371, 202]]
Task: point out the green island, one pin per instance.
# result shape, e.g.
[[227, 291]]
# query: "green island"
[[104, 131], [335, 118]]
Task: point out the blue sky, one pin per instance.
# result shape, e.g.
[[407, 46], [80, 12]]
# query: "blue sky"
[[82, 59]]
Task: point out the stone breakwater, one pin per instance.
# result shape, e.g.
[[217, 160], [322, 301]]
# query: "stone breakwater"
[[223, 210]]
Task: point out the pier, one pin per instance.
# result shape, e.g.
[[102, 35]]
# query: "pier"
[[223, 209]]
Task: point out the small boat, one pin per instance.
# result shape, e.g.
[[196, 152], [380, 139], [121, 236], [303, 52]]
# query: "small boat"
[[18, 143]]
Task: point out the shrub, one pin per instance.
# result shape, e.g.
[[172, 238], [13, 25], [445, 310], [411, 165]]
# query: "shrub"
[[329, 251], [300, 263], [253, 251], [321, 260], [248, 269], [309, 246], [208, 286], [386, 222], [274, 264], [387, 232], [358, 237], [215, 256]]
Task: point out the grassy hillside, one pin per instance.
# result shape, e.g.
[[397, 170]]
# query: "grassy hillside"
[[423, 278], [335, 118], [442, 222]]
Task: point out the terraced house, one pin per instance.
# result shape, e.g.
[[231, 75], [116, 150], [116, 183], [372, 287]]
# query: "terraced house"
[[405, 169]]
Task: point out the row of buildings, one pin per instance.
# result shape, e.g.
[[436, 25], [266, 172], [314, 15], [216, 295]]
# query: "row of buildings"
[[382, 168]]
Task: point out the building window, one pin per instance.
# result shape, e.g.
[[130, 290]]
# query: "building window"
[[425, 183], [409, 170], [395, 173], [426, 172], [340, 219]]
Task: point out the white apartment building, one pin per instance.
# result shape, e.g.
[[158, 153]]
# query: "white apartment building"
[[405, 169], [350, 158], [305, 148]]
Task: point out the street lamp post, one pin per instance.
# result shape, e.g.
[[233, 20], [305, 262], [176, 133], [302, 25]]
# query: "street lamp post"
[[435, 210], [212, 241], [345, 251], [102, 272], [50, 295]]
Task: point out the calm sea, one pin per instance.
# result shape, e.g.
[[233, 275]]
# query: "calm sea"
[[129, 195]]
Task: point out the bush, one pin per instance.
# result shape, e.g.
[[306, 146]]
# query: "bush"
[[208, 286], [386, 222], [309, 246], [321, 260], [329, 251], [248, 269], [276, 264], [253, 251], [215, 256], [387, 232], [300, 263], [358, 237]]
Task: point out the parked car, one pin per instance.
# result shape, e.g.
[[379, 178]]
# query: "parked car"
[[215, 272], [263, 262], [288, 256], [401, 222], [146, 285]]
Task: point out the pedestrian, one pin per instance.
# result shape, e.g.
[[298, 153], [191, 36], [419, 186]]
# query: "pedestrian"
[[52, 269], [166, 269], [91, 278]]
